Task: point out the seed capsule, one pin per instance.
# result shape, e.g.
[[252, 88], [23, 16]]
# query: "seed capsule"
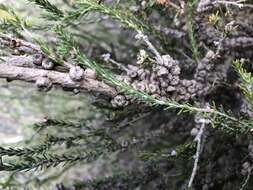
[[119, 101], [140, 85], [174, 81], [186, 83], [89, 73], [47, 64], [132, 73], [167, 61], [164, 84], [126, 79], [170, 89], [202, 73], [37, 58], [191, 89], [162, 71], [175, 70], [76, 73], [44, 84], [153, 88], [182, 91], [140, 72]]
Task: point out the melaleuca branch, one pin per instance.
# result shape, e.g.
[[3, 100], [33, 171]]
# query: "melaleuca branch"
[[46, 78], [33, 75], [145, 97], [33, 69]]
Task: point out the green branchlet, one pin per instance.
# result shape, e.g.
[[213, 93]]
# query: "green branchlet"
[[190, 29], [49, 7], [246, 81]]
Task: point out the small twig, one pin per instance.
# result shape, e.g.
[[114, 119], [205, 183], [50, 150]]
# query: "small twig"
[[107, 58], [236, 3], [175, 6], [143, 37], [19, 44], [245, 182], [198, 150]]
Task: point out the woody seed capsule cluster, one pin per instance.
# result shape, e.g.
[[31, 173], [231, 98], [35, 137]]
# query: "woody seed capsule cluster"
[[204, 74], [163, 80], [160, 81], [40, 60]]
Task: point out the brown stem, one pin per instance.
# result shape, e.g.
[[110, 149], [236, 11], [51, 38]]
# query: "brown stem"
[[31, 75]]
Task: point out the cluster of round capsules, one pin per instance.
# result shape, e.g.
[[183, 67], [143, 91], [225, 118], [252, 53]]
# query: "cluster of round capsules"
[[204, 74], [163, 80], [43, 83], [159, 80], [40, 60], [76, 73]]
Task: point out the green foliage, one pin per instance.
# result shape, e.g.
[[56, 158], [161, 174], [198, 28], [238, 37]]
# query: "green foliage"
[[127, 19], [43, 156], [12, 22], [65, 43], [55, 122], [180, 151], [246, 81], [42, 162], [190, 28], [23, 151], [51, 8]]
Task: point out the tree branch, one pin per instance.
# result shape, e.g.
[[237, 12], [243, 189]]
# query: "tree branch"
[[31, 75], [198, 138], [22, 68]]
